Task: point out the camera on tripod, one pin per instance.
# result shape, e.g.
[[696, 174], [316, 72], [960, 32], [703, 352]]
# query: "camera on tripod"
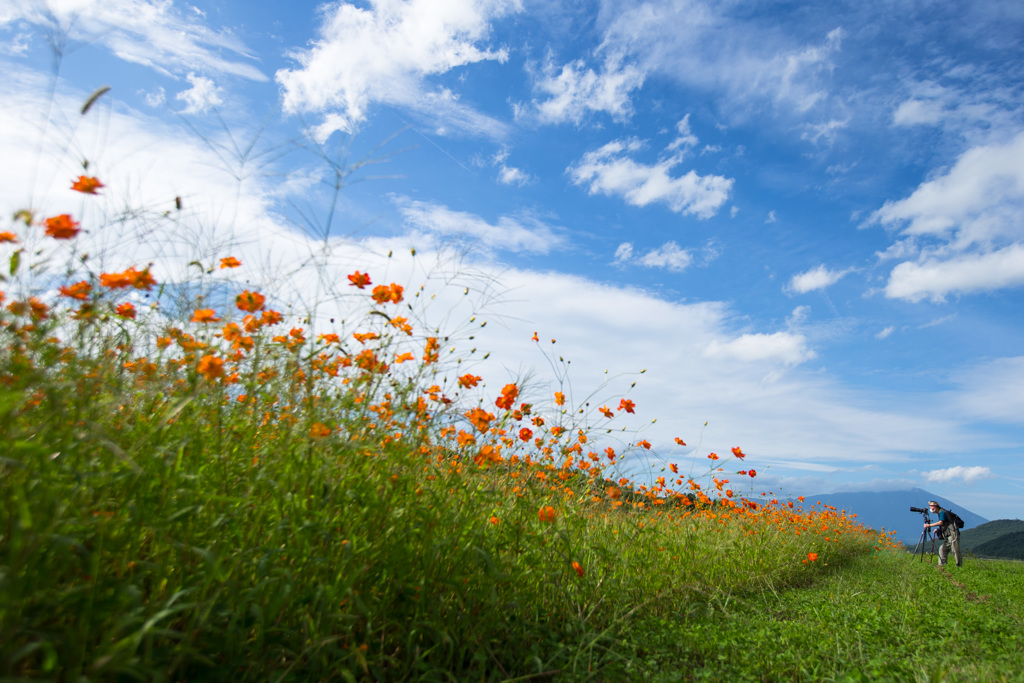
[[923, 511]]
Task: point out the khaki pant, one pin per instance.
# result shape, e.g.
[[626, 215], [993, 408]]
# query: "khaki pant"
[[951, 542]]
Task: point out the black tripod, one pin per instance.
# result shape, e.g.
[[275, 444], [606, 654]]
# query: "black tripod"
[[926, 534]]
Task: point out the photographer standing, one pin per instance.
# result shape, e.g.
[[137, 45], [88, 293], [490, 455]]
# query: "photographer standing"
[[947, 531]]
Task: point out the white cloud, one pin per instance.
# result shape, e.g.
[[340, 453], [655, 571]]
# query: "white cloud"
[[772, 218], [387, 53], [522, 234], [826, 131], [573, 91], [17, 45], [959, 105], [697, 43], [610, 171], [782, 347], [967, 274], [968, 475], [154, 99], [882, 334], [201, 96], [686, 138], [816, 278], [966, 226], [148, 32], [978, 200], [510, 175], [669, 256]]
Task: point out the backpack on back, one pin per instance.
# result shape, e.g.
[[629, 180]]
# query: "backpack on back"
[[955, 519]]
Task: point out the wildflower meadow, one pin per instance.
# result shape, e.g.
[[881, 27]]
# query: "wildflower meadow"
[[202, 480]]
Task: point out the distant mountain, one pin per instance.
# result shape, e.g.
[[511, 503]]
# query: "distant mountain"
[[890, 510], [1001, 538]]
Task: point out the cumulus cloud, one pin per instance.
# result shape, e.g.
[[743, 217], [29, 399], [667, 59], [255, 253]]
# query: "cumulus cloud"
[[968, 475], [966, 225], [571, 92], [934, 279], [816, 278], [153, 33], [882, 334], [519, 234], [610, 171], [203, 94], [669, 256], [386, 53]]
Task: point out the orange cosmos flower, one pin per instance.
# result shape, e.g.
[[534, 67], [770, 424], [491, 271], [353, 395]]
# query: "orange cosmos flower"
[[126, 310], [359, 280], [402, 324], [812, 556], [319, 431], [402, 357], [385, 293], [271, 318], [645, 443], [509, 393], [229, 262], [494, 520], [61, 227], [86, 185], [546, 514], [680, 441], [712, 456], [738, 453], [525, 434], [606, 412], [579, 569], [205, 315], [675, 470], [535, 337], [129, 278], [39, 310], [430, 352], [480, 418], [8, 237], [363, 337], [140, 279], [211, 367], [250, 301], [467, 381], [79, 290], [329, 338], [752, 473], [559, 398], [627, 405]]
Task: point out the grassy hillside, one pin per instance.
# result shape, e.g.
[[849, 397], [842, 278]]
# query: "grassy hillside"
[[1009, 546], [219, 486], [988, 539]]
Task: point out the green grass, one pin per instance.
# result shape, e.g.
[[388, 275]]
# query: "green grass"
[[874, 618]]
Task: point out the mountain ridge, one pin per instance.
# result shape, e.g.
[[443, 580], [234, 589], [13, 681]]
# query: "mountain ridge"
[[890, 510]]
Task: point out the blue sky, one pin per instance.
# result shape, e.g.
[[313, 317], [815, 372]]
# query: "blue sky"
[[804, 221]]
